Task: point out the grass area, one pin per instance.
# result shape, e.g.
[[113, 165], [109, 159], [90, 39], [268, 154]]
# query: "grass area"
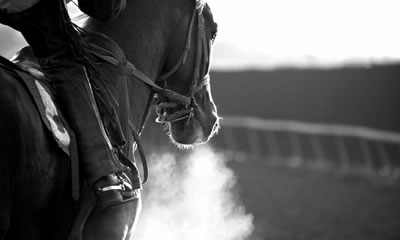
[[298, 203]]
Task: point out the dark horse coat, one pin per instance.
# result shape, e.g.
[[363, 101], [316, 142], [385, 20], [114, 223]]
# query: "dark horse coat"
[[37, 174], [32, 167], [35, 187]]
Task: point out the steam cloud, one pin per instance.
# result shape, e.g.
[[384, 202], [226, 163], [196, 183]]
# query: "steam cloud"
[[192, 198]]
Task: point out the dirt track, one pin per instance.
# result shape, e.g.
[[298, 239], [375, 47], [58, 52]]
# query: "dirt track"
[[294, 204]]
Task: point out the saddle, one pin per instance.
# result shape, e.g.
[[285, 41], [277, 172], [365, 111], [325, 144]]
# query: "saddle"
[[105, 97], [34, 82], [113, 103]]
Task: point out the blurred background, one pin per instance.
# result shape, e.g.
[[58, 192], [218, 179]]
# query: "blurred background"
[[310, 95]]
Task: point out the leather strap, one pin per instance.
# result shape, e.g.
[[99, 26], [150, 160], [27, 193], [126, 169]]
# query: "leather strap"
[[127, 69], [73, 150], [123, 112]]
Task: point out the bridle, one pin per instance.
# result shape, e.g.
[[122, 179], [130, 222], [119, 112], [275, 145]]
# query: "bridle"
[[167, 98]]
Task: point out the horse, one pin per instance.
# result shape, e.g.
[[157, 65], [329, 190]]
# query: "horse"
[[167, 45]]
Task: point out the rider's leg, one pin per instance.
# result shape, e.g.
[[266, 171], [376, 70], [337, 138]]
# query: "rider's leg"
[[44, 31], [73, 93]]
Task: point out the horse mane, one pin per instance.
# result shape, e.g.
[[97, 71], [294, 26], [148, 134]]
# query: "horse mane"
[[73, 36]]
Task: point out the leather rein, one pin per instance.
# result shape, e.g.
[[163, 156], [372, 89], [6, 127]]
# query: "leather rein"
[[167, 98]]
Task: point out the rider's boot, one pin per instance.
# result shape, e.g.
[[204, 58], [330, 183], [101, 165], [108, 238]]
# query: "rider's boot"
[[43, 30]]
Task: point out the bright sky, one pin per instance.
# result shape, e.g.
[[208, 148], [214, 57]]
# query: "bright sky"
[[268, 33], [271, 33]]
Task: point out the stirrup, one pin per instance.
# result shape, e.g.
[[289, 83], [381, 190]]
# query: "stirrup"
[[113, 189]]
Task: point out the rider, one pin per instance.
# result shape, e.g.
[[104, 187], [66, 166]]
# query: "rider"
[[63, 56]]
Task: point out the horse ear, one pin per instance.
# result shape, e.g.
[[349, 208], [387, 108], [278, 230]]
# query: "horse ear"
[[200, 4], [208, 14]]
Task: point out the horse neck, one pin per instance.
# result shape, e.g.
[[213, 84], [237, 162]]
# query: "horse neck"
[[143, 31]]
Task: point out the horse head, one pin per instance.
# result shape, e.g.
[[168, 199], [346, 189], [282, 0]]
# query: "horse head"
[[189, 111], [171, 43]]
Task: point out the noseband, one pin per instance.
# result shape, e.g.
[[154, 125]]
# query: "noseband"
[[169, 99], [186, 104]]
